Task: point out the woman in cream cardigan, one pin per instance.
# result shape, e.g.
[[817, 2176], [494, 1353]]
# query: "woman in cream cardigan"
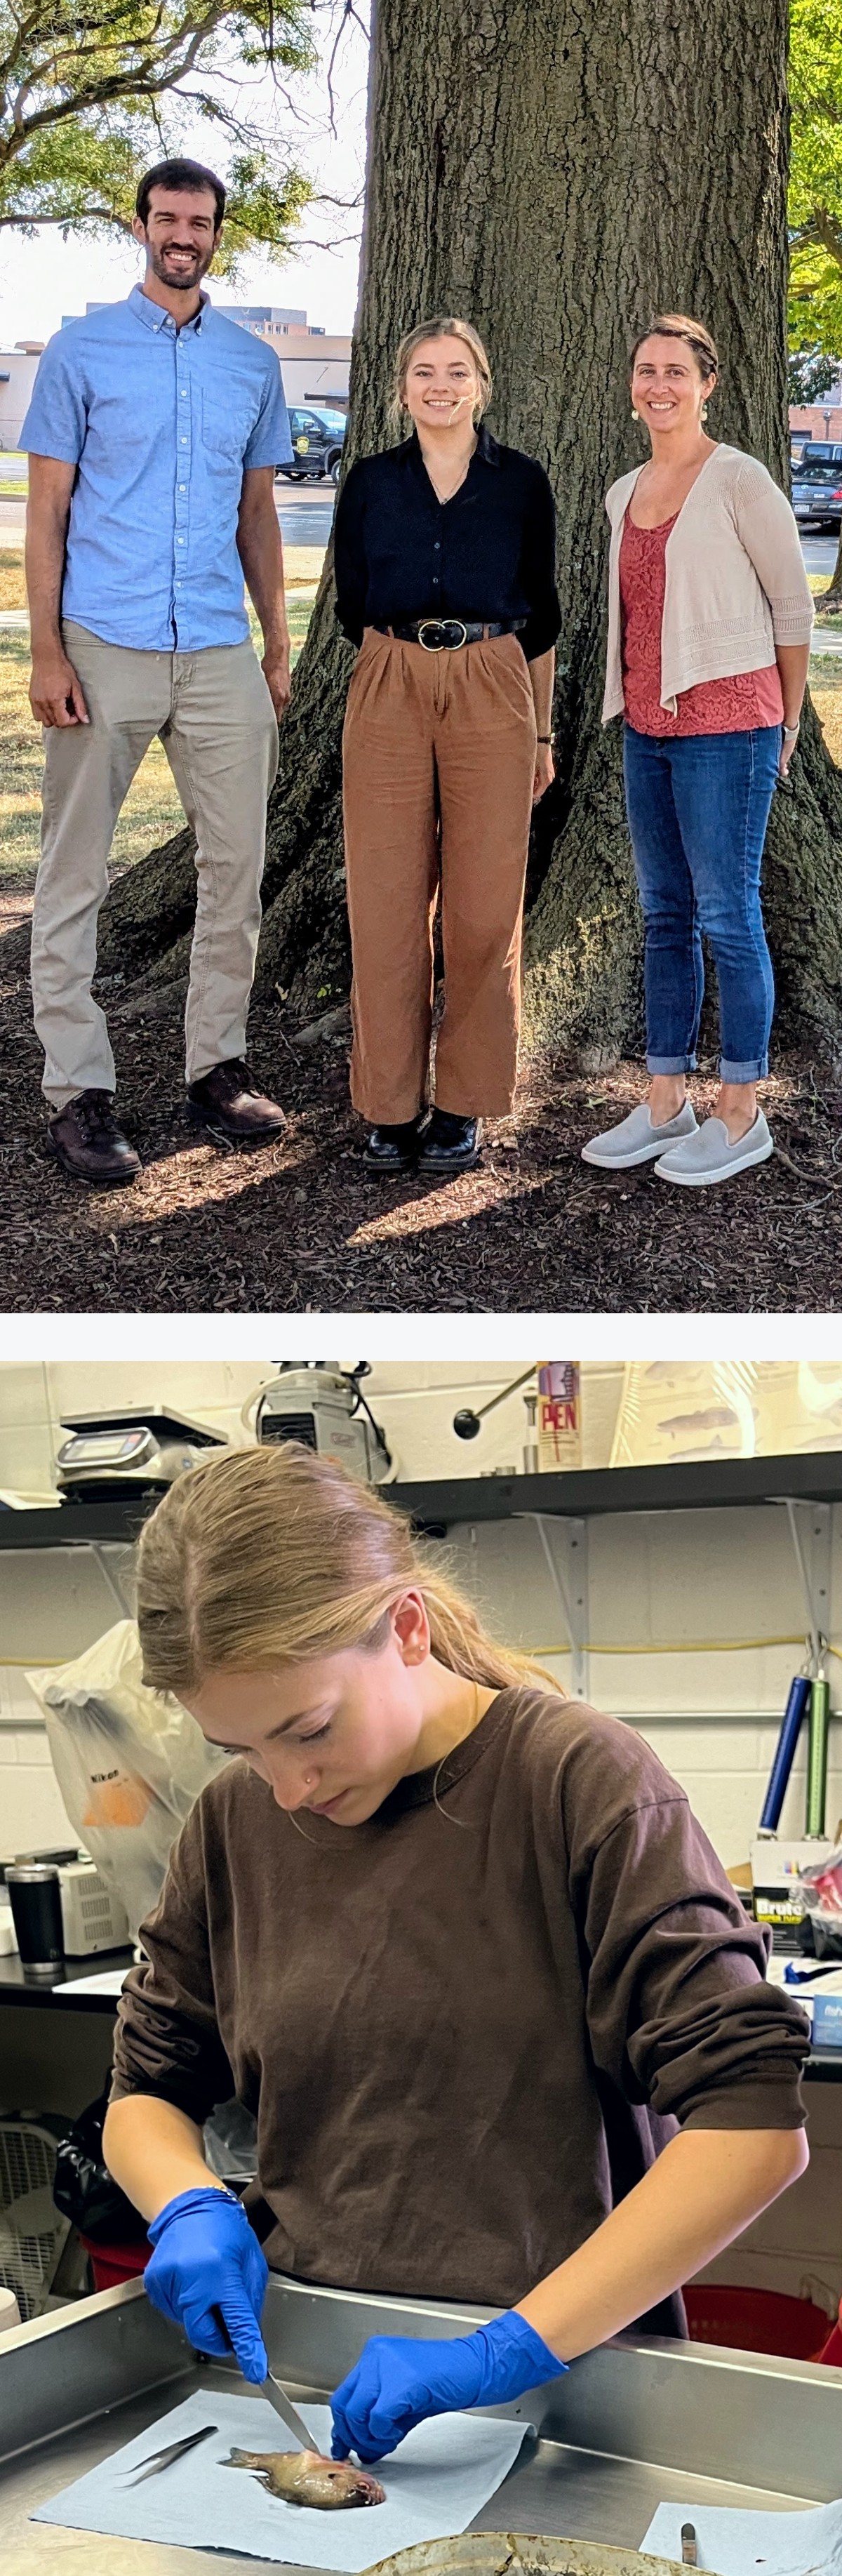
[[709, 627]]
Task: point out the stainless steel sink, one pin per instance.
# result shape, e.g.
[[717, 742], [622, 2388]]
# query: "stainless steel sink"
[[634, 2424]]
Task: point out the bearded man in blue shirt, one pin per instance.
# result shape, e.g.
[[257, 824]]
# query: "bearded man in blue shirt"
[[154, 431]]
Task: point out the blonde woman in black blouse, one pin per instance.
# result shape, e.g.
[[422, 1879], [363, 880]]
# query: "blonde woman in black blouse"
[[445, 579]]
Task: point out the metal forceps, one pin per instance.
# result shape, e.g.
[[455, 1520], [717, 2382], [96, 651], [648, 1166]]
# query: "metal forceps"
[[173, 2451]]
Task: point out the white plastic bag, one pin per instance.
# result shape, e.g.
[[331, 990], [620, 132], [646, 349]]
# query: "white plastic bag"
[[129, 1763]]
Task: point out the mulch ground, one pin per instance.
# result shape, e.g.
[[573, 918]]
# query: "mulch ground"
[[300, 1226]]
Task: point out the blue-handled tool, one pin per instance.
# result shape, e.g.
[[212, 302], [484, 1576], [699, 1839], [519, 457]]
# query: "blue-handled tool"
[[794, 1714]]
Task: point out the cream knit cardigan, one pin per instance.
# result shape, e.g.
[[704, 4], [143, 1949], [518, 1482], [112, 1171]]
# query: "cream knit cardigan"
[[735, 579]]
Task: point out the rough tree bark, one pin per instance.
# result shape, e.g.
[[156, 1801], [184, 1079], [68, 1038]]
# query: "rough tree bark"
[[555, 172]]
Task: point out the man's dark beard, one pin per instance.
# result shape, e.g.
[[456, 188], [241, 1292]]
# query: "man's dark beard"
[[189, 276]]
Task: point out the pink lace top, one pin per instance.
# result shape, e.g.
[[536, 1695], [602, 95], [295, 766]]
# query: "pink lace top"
[[735, 705]]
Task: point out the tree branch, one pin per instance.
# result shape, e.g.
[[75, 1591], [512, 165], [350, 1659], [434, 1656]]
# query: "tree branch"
[[829, 233], [137, 82], [90, 215]]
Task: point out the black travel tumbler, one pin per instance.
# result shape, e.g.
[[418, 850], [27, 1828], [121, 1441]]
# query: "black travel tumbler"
[[35, 1897]]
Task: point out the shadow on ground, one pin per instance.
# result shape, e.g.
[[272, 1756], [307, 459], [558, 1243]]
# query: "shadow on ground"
[[300, 1226]]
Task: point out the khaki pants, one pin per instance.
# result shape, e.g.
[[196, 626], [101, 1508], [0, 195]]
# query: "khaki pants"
[[216, 721], [439, 762]]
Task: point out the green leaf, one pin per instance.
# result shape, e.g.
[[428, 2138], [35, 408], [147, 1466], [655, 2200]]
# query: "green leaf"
[[91, 95], [815, 188]]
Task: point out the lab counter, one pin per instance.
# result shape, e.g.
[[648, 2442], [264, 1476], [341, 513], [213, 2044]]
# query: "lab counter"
[[639, 2422], [53, 1992]]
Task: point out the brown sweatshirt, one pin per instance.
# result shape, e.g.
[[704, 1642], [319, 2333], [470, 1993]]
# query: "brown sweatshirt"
[[467, 2027]]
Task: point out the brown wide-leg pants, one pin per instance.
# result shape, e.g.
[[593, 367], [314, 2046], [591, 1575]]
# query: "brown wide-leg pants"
[[439, 762]]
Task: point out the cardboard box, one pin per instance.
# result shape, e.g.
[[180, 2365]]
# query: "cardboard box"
[[776, 1867]]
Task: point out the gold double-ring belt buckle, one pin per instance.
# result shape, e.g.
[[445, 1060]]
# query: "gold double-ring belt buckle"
[[436, 624]]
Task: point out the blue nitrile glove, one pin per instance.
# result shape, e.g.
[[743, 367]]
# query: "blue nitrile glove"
[[209, 2274], [398, 2381]]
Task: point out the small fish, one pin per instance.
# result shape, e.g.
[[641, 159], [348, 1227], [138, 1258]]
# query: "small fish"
[[714, 1417], [304, 2477]]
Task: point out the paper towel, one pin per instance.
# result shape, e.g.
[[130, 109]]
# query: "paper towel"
[[436, 2481], [735, 2543]]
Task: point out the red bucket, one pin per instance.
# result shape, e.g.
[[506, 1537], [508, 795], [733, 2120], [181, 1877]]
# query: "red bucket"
[[757, 2321], [113, 2263]]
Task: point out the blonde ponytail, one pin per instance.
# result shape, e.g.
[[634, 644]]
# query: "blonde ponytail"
[[275, 1556]]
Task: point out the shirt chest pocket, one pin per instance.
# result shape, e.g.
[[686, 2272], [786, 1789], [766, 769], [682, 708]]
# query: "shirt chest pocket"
[[227, 422]]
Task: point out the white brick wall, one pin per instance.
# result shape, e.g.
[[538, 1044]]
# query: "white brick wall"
[[32, 1813]]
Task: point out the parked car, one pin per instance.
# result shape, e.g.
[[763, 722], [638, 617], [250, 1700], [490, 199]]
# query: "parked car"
[[817, 493], [815, 451], [317, 438]]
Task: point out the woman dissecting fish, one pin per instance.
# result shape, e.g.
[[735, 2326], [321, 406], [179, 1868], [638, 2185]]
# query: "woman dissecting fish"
[[459, 1944]]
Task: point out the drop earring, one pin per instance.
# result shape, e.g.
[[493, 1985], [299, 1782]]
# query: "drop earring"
[[635, 414], [704, 411]]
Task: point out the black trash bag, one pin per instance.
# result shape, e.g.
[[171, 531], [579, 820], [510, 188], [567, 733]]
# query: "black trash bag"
[[83, 2189]]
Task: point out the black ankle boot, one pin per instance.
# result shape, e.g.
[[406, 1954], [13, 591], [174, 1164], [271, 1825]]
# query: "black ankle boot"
[[392, 1149], [450, 1144]]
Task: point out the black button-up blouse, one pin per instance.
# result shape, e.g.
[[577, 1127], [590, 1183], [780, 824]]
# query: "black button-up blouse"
[[488, 554]]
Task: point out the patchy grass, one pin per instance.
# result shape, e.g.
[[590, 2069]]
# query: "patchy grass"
[[12, 584], [820, 584], [152, 809], [826, 692]]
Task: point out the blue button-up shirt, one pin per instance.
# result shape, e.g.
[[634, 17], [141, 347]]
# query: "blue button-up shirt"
[[162, 424]]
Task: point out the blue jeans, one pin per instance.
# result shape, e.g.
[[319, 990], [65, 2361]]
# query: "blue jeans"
[[698, 806]]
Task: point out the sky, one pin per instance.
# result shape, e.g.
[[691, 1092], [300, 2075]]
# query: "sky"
[[44, 278]]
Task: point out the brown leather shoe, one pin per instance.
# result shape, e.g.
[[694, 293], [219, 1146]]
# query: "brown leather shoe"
[[87, 1141], [228, 1103]]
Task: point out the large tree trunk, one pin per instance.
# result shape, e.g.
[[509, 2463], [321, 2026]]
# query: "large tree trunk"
[[556, 176]]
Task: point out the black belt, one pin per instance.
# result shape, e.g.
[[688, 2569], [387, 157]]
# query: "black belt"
[[446, 634]]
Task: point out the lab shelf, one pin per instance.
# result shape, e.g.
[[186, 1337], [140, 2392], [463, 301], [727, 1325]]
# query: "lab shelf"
[[435, 1504], [77, 1524], [580, 1494]]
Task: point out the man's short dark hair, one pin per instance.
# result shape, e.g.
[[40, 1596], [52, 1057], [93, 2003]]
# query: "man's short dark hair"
[[184, 175]]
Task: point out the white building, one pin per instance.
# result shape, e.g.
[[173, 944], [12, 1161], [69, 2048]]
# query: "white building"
[[18, 369], [315, 364]]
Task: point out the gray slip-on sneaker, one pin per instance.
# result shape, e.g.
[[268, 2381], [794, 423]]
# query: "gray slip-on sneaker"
[[710, 1156], [636, 1140]]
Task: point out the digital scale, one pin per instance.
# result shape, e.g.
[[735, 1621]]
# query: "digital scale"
[[111, 1455]]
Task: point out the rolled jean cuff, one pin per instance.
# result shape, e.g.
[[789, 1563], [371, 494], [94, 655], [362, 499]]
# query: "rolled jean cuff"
[[751, 1071], [670, 1063]]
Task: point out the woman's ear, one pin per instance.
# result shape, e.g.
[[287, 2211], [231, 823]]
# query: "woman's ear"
[[411, 1627]]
